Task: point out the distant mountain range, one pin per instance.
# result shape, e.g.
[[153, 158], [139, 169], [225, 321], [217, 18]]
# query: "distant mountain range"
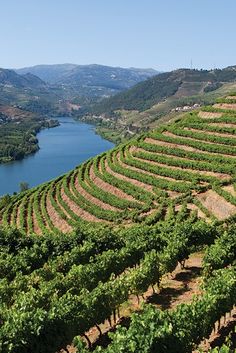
[[27, 80], [50, 89], [90, 80]]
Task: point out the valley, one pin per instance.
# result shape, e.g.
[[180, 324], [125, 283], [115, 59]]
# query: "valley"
[[127, 248], [186, 166], [118, 177]]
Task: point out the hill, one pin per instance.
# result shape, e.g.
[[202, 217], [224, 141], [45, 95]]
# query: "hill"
[[90, 80], [9, 77], [29, 92], [150, 222], [186, 166], [159, 99], [18, 129], [178, 83]]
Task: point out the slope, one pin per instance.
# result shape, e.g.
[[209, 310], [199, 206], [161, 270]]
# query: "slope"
[[181, 168], [179, 83]]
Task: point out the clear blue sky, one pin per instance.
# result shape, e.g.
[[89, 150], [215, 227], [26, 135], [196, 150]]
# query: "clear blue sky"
[[163, 34]]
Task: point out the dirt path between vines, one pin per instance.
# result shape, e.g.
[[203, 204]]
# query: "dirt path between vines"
[[178, 287], [219, 334]]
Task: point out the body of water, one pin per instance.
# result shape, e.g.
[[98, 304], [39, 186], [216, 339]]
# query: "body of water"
[[61, 149]]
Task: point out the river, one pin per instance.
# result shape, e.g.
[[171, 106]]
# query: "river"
[[61, 149]]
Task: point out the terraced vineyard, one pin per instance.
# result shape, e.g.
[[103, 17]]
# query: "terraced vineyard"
[[66, 293], [181, 168]]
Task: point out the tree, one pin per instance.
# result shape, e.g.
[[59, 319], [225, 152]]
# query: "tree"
[[24, 186]]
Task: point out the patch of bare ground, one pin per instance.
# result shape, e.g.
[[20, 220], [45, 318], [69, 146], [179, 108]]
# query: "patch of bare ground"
[[221, 330], [68, 216], [221, 176], [231, 97], [184, 147], [57, 221], [18, 215], [192, 207], [93, 199], [141, 171], [172, 145], [77, 210], [130, 180], [217, 205], [178, 287], [185, 138], [173, 194], [223, 124], [209, 115], [36, 227], [225, 106], [214, 133], [108, 187], [97, 202], [230, 189], [12, 220], [148, 213]]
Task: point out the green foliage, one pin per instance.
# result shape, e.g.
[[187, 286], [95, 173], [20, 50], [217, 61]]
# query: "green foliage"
[[24, 186], [54, 288]]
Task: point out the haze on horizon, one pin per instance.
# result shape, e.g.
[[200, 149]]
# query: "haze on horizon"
[[158, 34]]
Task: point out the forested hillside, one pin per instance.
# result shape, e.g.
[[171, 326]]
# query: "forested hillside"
[[18, 129], [182, 82]]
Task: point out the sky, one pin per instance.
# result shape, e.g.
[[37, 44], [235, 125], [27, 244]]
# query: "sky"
[[160, 34]]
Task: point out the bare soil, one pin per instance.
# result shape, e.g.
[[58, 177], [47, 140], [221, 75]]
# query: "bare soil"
[[93, 199], [132, 181], [230, 189], [217, 205], [221, 176], [184, 147], [57, 221], [225, 106], [214, 133], [167, 133], [224, 124], [178, 287], [192, 207], [209, 115], [221, 330], [77, 210], [141, 171], [37, 229], [108, 187]]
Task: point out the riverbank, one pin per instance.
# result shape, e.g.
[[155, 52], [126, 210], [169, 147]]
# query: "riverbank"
[[61, 149], [18, 139]]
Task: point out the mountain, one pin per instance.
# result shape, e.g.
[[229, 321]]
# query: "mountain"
[[50, 89], [179, 83], [158, 99], [48, 73], [28, 80], [90, 80], [29, 92]]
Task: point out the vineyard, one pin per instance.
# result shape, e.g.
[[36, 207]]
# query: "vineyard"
[[185, 167], [77, 252]]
